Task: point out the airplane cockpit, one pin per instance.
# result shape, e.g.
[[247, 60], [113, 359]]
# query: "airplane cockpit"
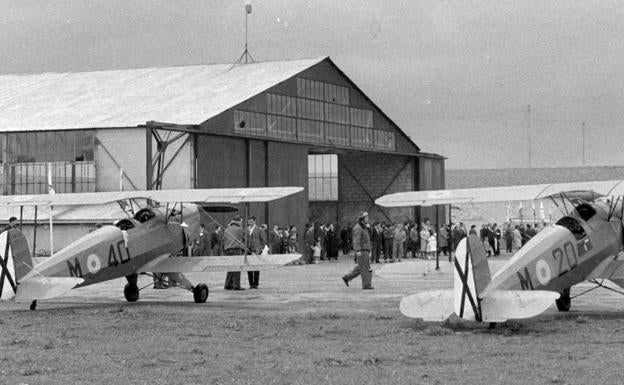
[[144, 215], [585, 211], [574, 226], [125, 224]]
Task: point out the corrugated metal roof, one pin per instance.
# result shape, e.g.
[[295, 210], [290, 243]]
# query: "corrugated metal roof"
[[127, 98]]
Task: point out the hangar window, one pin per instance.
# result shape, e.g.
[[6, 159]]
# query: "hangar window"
[[337, 134], [336, 113], [361, 137], [336, 94], [311, 89], [362, 118], [282, 127], [323, 177], [281, 105], [309, 131], [384, 140], [247, 122], [310, 109], [27, 157]]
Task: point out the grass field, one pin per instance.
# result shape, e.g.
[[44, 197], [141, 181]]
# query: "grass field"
[[302, 327]]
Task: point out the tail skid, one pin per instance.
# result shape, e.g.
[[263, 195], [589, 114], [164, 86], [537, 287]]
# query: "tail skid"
[[471, 277]]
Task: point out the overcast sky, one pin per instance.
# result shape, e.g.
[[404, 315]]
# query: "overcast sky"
[[458, 76]]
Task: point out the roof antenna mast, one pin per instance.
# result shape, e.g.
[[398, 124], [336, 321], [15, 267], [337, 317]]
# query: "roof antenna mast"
[[246, 56]]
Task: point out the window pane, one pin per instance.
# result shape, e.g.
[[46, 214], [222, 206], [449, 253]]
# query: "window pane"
[[323, 177]]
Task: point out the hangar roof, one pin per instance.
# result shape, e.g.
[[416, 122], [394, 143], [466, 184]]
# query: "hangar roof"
[[131, 97]]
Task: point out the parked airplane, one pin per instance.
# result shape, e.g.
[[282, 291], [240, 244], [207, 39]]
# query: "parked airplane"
[[584, 245], [149, 241]]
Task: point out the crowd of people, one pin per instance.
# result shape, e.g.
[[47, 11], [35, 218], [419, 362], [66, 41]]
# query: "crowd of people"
[[280, 240], [390, 242], [379, 241], [513, 236]]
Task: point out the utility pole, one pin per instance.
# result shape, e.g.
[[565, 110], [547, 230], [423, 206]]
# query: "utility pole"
[[246, 55], [529, 132]]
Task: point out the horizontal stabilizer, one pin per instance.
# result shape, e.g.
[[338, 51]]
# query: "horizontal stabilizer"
[[501, 305], [415, 269], [430, 306], [219, 263], [45, 287]]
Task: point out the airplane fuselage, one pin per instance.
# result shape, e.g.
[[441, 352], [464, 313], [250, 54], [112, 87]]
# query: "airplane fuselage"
[[110, 252], [561, 255]]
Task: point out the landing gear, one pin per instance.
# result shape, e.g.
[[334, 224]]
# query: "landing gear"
[[33, 305], [131, 290], [200, 293], [564, 302]]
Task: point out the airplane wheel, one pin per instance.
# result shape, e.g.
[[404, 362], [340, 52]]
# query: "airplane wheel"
[[33, 305], [200, 293], [564, 302], [131, 292]]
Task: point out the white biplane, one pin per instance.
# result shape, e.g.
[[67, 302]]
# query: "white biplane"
[[584, 245], [148, 241]]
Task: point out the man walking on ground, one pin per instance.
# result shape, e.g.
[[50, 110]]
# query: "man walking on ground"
[[362, 247]]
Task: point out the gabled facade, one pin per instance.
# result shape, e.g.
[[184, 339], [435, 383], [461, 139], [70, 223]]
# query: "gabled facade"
[[289, 123]]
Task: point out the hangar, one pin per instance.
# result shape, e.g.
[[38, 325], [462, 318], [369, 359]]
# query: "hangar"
[[274, 123]]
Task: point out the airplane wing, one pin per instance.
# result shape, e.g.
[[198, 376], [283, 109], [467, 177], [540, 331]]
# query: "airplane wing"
[[218, 263], [226, 195], [499, 194]]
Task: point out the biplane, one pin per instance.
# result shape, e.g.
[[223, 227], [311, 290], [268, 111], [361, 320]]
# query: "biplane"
[[585, 244], [151, 239]]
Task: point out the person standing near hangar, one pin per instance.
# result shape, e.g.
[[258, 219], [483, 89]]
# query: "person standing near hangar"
[[233, 244], [256, 242], [362, 247]]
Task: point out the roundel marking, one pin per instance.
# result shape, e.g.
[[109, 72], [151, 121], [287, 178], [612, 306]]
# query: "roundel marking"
[[542, 270], [93, 263]]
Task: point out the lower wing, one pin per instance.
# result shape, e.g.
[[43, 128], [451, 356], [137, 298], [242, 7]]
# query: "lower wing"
[[218, 263]]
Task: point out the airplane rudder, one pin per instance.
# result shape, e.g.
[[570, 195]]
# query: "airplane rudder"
[[20, 251], [471, 274], [8, 282]]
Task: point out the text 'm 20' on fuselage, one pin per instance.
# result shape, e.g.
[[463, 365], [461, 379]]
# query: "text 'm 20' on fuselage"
[[584, 245]]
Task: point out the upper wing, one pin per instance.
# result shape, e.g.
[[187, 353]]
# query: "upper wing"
[[218, 263], [497, 194], [228, 195]]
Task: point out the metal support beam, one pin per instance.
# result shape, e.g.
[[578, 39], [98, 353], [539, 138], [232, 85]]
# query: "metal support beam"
[[149, 171], [157, 162], [365, 191]]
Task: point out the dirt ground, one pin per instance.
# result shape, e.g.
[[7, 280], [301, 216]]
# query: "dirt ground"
[[303, 326]]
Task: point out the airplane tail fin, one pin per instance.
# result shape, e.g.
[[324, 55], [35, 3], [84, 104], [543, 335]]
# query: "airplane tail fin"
[[15, 261], [471, 275], [468, 299]]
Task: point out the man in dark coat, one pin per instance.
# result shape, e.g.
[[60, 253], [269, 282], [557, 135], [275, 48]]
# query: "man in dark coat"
[[234, 244], [216, 241], [308, 244], [362, 247], [331, 240], [376, 242], [275, 240], [255, 243], [344, 240], [202, 242]]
